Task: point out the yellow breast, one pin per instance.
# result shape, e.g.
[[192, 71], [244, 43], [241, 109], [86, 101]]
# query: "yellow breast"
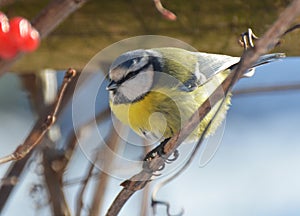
[[162, 112], [148, 115]]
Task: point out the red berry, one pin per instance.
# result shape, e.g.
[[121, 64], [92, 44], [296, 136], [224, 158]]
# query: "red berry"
[[7, 49], [17, 35], [23, 34], [19, 30], [31, 42], [4, 25]]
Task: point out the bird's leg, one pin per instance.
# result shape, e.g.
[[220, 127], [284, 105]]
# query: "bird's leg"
[[175, 156], [247, 38], [159, 150]]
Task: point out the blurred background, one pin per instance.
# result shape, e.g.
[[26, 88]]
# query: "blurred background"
[[255, 170], [208, 26]]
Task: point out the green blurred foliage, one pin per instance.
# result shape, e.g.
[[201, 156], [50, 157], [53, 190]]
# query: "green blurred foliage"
[[209, 26]]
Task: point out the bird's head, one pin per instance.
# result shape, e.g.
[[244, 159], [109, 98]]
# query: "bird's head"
[[132, 74]]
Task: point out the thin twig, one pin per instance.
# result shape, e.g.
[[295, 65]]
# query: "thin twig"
[[263, 45], [55, 162], [107, 159], [165, 12], [16, 168], [84, 184], [74, 137], [53, 180], [36, 135], [293, 28], [78, 180], [146, 191], [99, 118]]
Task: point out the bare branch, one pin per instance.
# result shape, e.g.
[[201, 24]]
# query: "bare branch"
[[53, 181], [145, 201], [263, 45], [84, 182], [107, 158], [71, 145], [16, 169], [146, 191], [165, 12], [37, 134], [119, 202]]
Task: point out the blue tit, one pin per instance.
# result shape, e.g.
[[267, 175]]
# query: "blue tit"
[[155, 91]]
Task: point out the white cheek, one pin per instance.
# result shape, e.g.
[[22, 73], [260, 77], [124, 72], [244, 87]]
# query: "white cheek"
[[111, 95], [138, 86]]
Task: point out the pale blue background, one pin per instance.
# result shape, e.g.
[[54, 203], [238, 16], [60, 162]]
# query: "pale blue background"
[[256, 170]]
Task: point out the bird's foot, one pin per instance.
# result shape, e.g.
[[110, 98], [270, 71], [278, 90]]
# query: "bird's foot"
[[247, 38], [159, 151]]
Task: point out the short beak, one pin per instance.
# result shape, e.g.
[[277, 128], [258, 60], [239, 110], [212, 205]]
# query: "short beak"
[[112, 86]]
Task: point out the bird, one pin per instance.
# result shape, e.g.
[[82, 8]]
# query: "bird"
[[155, 91]]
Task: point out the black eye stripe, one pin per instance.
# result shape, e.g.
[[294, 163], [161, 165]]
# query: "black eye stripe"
[[128, 76], [132, 74]]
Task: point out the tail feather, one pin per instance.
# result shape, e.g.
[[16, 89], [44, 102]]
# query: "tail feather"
[[269, 58], [264, 60]]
